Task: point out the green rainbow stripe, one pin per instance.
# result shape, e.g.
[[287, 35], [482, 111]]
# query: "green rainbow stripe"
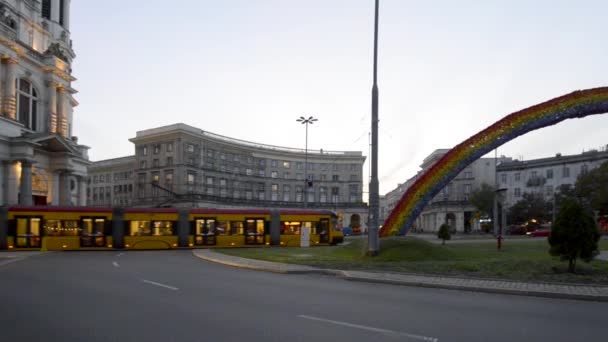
[[577, 104]]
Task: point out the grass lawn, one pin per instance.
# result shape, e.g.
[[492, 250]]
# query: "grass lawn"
[[526, 261]]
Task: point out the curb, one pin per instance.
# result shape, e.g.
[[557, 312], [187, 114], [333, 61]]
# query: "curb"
[[274, 267], [529, 293], [268, 266]]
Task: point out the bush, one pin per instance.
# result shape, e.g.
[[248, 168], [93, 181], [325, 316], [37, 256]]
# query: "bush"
[[574, 234], [444, 233]]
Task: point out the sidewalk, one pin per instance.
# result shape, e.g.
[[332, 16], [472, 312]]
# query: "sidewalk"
[[567, 291]]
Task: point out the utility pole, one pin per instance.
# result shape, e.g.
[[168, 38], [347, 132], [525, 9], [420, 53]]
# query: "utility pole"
[[373, 245]]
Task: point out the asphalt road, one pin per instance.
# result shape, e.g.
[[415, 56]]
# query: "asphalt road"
[[173, 296]]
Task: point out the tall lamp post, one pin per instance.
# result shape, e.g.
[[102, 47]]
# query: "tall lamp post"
[[373, 244], [305, 121]]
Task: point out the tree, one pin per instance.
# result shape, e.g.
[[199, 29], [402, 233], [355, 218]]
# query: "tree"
[[574, 234], [531, 206], [483, 199], [444, 233], [562, 193], [592, 188]]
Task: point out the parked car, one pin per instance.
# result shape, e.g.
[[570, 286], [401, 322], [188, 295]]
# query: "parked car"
[[539, 232]]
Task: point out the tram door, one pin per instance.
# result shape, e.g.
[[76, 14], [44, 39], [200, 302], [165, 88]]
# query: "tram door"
[[93, 232], [205, 232], [323, 230], [254, 232], [27, 232]]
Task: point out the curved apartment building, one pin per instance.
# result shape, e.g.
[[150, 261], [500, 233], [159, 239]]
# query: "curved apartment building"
[[180, 165]]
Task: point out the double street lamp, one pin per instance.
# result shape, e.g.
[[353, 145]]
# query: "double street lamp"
[[306, 121]]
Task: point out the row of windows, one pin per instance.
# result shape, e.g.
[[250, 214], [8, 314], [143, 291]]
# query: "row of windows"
[[314, 194], [549, 191], [190, 148], [549, 173], [237, 187], [118, 176], [262, 173], [156, 148]]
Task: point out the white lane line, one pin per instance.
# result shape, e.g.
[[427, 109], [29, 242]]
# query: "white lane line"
[[115, 264], [159, 284], [11, 260], [120, 254], [363, 327]]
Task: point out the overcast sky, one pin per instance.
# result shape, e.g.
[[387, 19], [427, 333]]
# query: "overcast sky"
[[249, 68]]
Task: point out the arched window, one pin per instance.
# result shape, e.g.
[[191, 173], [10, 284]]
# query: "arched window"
[[27, 104]]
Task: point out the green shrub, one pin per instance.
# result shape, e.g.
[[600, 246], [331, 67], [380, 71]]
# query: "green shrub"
[[574, 234], [444, 233]]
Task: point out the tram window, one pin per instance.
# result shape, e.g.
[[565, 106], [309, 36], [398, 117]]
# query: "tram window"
[[163, 228], [151, 228], [27, 232], [290, 228], [322, 227], [52, 227], [222, 228], [205, 227], [61, 228], [255, 227], [237, 228], [140, 228], [93, 226]]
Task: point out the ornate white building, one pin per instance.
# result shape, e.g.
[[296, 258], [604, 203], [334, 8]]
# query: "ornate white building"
[[41, 161]]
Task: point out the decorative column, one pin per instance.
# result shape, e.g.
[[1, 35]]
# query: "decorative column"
[[4, 165], [52, 119], [82, 191], [1, 93], [66, 15], [53, 197], [10, 183], [65, 195], [9, 103], [25, 188], [62, 119]]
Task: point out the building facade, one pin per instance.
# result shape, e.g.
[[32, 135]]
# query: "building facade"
[[112, 182], [41, 161], [180, 165], [451, 205], [544, 176]]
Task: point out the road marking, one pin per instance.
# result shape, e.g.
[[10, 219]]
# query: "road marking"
[[363, 327], [115, 264], [10, 260], [120, 254], [159, 284]]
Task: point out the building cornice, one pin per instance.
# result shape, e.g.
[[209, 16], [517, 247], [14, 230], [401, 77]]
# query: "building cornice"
[[155, 133], [552, 161]]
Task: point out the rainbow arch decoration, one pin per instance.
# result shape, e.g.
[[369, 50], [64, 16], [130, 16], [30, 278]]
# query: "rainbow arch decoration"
[[577, 104]]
